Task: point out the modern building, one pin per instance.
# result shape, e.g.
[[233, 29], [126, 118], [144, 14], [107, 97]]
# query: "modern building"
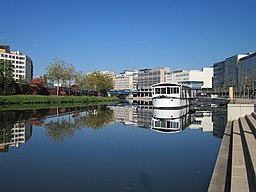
[[247, 72], [149, 77], [127, 80], [231, 71], [236, 71], [22, 64], [218, 75], [197, 79]]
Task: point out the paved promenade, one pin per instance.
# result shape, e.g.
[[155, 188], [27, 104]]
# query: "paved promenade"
[[235, 168]]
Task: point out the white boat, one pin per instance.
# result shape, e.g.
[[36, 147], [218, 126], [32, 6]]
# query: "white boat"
[[170, 121], [170, 95]]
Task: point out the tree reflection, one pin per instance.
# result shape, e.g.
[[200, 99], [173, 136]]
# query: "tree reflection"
[[64, 128], [98, 118], [61, 123], [61, 129]]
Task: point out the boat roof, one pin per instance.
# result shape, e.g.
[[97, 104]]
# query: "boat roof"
[[166, 84]]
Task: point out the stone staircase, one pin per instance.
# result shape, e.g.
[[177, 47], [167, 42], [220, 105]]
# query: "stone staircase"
[[235, 168]]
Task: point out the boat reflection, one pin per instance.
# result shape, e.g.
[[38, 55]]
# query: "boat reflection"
[[170, 121]]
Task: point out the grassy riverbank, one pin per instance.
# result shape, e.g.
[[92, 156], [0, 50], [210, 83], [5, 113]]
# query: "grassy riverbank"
[[38, 99]]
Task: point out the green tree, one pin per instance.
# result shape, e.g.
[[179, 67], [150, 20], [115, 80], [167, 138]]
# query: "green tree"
[[99, 82], [56, 72], [7, 83], [70, 74], [79, 79]]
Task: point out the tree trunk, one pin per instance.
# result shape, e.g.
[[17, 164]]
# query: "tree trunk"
[[58, 87]]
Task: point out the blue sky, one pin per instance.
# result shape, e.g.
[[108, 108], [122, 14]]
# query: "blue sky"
[[115, 35]]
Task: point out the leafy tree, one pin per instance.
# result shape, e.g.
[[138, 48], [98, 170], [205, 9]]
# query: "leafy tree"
[[6, 69], [37, 84], [70, 74], [56, 72], [79, 79], [99, 82], [7, 83]]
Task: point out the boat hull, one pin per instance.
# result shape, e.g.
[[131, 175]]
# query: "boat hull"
[[171, 103]]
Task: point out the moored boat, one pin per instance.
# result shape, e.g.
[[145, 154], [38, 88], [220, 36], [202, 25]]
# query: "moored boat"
[[170, 95]]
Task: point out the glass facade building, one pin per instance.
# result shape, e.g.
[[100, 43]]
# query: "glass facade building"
[[247, 72], [218, 75]]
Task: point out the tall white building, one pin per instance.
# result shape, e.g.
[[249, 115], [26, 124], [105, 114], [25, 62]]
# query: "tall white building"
[[22, 64], [197, 79]]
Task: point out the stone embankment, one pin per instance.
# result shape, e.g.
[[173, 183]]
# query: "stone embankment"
[[235, 168]]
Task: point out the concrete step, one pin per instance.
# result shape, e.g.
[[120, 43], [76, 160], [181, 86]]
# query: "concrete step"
[[254, 115], [239, 178], [249, 146], [220, 180], [252, 123]]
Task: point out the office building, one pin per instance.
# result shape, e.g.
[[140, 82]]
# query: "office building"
[[22, 64], [127, 80], [197, 79], [218, 75], [247, 72], [149, 77], [235, 71], [231, 71]]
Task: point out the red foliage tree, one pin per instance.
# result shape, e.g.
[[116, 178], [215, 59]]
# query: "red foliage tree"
[[75, 88], [37, 84]]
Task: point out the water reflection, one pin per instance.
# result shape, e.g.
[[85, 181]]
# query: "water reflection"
[[206, 119], [93, 147], [170, 121], [61, 124], [14, 130], [64, 126]]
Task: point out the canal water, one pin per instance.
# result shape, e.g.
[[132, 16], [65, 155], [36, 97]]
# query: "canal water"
[[109, 148]]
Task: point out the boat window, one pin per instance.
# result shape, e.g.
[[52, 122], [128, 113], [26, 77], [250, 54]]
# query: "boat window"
[[157, 90], [157, 123], [163, 123], [163, 90], [168, 90], [175, 90], [174, 124], [168, 124]]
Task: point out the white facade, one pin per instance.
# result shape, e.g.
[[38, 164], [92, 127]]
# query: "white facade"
[[123, 82], [109, 73], [128, 80], [22, 64], [195, 78]]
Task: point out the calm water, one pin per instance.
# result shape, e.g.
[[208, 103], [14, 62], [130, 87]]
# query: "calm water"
[[108, 148]]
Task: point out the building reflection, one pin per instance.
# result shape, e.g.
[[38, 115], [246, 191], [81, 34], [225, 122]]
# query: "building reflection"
[[61, 124], [211, 120], [13, 136], [203, 121]]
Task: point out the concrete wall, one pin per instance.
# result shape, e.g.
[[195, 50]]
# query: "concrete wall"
[[239, 110]]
